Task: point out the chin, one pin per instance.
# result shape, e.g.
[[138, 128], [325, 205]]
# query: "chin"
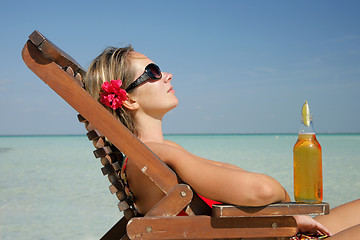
[[176, 102], [174, 105]]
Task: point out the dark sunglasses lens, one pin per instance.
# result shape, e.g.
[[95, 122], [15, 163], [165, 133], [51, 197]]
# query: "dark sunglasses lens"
[[155, 71]]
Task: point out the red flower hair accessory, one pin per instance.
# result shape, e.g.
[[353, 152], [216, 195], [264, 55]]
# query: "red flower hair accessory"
[[112, 95]]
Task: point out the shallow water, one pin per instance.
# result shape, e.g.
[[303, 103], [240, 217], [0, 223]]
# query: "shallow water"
[[51, 187]]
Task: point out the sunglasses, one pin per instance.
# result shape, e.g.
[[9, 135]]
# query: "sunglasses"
[[152, 71]]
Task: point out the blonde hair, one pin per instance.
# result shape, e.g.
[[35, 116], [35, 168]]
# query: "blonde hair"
[[112, 64]]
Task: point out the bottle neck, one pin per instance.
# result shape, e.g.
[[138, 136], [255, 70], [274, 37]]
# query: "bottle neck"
[[304, 129]]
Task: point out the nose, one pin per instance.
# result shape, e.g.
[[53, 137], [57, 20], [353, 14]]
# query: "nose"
[[167, 77]]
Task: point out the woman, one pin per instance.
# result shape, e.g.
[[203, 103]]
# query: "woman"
[[141, 99]]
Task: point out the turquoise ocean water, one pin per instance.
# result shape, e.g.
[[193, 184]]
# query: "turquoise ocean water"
[[51, 187]]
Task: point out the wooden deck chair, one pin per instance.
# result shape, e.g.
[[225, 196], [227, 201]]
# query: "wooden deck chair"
[[274, 221]]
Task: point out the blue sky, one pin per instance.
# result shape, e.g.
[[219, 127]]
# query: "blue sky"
[[238, 66]]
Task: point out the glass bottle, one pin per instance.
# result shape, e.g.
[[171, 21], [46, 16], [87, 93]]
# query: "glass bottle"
[[308, 184]]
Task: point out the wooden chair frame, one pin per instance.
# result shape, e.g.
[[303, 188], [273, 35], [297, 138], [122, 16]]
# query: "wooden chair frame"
[[222, 222]]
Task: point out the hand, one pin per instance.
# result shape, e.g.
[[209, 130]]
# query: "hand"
[[307, 224]]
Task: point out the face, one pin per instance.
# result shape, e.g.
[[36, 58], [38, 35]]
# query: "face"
[[155, 97]]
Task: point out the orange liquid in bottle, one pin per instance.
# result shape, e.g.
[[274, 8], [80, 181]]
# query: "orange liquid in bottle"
[[308, 185]]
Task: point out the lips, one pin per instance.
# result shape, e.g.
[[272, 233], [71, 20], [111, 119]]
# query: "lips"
[[171, 90]]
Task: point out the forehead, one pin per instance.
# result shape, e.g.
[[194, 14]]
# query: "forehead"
[[136, 57], [138, 61]]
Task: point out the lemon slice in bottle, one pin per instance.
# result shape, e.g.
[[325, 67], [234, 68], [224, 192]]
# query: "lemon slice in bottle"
[[305, 114]]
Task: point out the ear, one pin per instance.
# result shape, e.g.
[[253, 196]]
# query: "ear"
[[130, 104]]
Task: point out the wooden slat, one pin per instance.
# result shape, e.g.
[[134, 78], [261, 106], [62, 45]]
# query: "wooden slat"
[[102, 152], [54, 53], [100, 142], [175, 201], [89, 126], [113, 189], [116, 186], [123, 205], [93, 134], [206, 227], [278, 209], [104, 161], [116, 166], [69, 71], [68, 88], [121, 195], [111, 158], [113, 177], [129, 213], [107, 169], [81, 118]]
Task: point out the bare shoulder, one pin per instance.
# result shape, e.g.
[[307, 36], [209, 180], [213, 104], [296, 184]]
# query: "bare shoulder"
[[166, 146], [168, 151], [174, 144]]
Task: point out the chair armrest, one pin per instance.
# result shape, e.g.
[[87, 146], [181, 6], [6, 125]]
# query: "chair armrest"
[[277, 209]]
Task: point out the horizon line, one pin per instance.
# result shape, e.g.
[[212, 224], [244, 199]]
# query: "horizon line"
[[270, 133]]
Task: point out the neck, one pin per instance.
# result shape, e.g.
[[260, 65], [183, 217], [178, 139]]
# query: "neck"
[[149, 128]]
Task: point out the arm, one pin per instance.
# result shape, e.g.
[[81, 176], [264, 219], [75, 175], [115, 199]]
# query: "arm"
[[220, 164], [225, 184], [305, 223]]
